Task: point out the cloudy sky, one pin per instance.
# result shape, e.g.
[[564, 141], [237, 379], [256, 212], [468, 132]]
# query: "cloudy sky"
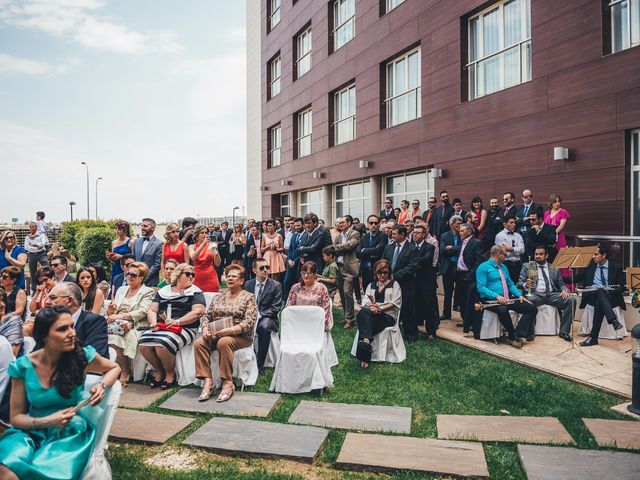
[[150, 93]]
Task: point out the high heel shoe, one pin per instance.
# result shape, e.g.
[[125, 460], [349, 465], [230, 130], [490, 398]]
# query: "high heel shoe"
[[223, 397], [206, 393], [166, 386], [156, 383]]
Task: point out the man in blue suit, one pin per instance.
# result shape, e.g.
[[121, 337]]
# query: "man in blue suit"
[[312, 241], [148, 249], [293, 258]]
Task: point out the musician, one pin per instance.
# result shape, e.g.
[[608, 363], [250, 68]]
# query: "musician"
[[514, 245], [494, 284], [602, 273], [549, 290]]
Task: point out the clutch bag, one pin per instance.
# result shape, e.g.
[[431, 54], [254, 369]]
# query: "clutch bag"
[[218, 325]]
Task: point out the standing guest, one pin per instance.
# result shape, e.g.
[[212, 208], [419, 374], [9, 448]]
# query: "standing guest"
[[408, 224], [268, 293], [311, 292], [272, 248], [390, 225], [280, 227], [16, 297], [253, 247], [186, 233], [174, 318], [92, 297], [442, 215], [100, 276], [557, 217], [415, 209], [387, 212], [480, 216], [48, 438], [224, 239], [10, 325], [402, 255], [381, 306], [288, 232], [509, 205], [494, 223], [291, 275], [494, 284], [540, 233], [404, 212], [370, 249], [468, 260], [119, 247], [330, 274], [457, 208], [528, 205], [174, 248], [238, 240], [348, 266], [250, 223], [513, 244], [169, 266], [148, 249], [45, 279], [212, 232], [449, 250], [397, 211], [59, 266], [36, 246], [425, 283], [429, 213], [43, 227], [126, 314], [239, 306], [313, 240], [12, 254], [121, 280], [205, 258]]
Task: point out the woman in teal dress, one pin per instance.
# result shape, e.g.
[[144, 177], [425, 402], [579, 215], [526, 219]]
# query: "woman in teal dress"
[[52, 440]]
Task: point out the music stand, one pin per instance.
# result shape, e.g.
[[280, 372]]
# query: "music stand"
[[571, 258]]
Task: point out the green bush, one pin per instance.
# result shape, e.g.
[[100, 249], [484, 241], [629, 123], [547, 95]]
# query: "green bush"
[[92, 243], [70, 235]]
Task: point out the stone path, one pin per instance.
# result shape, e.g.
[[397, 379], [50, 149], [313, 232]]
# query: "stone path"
[[252, 437], [502, 429], [137, 426], [558, 463], [371, 418], [622, 408], [425, 455], [242, 403], [139, 396], [615, 433]]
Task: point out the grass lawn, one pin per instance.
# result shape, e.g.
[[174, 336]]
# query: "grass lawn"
[[437, 378]]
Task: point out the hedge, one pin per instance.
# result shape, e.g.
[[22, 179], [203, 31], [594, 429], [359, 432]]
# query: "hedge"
[[88, 240]]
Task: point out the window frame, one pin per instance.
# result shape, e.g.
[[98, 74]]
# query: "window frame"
[[301, 134], [277, 58], [273, 12], [366, 195], [634, 203], [275, 133], [630, 31], [389, 6], [337, 26], [302, 205], [285, 207], [338, 120], [410, 195], [298, 43], [418, 90]]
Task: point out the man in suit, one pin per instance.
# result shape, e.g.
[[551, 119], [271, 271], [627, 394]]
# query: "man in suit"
[[348, 265], [549, 290], [148, 249], [468, 260], [508, 206], [601, 273], [522, 213], [252, 249], [370, 249], [494, 223], [186, 232], [120, 280], [387, 211], [312, 241], [540, 233], [293, 259], [59, 267], [428, 215], [450, 244], [91, 329], [268, 293], [457, 208], [442, 215], [425, 286], [223, 238], [403, 257]]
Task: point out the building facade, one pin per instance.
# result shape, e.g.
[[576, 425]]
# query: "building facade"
[[254, 118], [367, 99]]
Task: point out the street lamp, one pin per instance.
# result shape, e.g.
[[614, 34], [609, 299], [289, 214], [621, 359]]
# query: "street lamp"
[[97, 180], [233, 216], [71, 204], [87, 169]]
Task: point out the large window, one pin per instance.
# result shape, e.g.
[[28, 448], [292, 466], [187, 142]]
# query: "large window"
[[274, 13], [304, 127], [311, 202], [625, 24], [275, 70], [344, 22], [303, 53], [275, 141], [635, 194], [403, 101], [499, 47], [344, 113], [285, 204], [409, 186], [391, 4], [354, 199]]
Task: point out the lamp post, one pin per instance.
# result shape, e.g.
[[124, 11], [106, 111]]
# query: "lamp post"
[[87, 169], [71, 204], [634, 406], [97, 180], [233, 217]]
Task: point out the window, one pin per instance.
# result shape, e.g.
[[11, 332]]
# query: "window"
[[635, 195], [285, 205], [499, 47], [344, 22], [274, 13], [354, 199], [275, 141], [391, 4], [275, 66], [311, 202], [344, 112], [303, 53], [304, 127], [403, 102], [409, 186], [625, 24]]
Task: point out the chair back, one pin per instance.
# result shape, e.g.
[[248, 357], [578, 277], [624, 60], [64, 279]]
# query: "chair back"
[[302, 325], [208, 298]]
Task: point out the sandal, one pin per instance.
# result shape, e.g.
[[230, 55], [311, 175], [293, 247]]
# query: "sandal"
[[223, 397], [206, 393], [156, 383], [167, 386]]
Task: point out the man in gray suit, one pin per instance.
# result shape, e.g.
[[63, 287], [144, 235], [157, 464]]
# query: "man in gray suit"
[[348, 265], [549, 290], [148, 249]]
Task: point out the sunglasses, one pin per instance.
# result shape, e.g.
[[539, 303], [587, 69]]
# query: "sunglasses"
[[53, 265], [127, 265], [53, 298], [189, 274], [5, 276], [414, 204], [9, 237], [374, 223], [262, 268], [132, 275]]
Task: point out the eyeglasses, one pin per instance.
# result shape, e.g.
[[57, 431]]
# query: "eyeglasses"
[[53, 298], [189, 274], [234, 277], [54, 265], [307, 274], [132, 275], [262, 268], [383, 272], [527, 196], [5, 276], [374, 223]]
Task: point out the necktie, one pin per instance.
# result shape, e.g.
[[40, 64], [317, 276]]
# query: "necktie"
[[370, 240], [258, 291], [546, 279], [505, 288], [602, 277], [526, 210], [395, 256]]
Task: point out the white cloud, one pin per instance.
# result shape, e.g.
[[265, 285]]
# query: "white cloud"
[[10, 64], [81, 21]]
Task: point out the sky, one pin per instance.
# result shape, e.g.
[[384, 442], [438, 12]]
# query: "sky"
[[149, 93]]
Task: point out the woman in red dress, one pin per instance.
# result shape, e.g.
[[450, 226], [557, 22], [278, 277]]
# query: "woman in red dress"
[[205, 258], [173, 248]]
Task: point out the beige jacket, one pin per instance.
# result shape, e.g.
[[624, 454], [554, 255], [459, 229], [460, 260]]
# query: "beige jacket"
[[350, 264]]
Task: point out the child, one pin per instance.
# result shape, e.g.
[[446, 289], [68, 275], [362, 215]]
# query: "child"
[[330, 273]]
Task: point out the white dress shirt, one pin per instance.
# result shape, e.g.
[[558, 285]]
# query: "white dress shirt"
[[511, 239]]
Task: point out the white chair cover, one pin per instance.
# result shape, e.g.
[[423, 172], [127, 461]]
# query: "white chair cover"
[[491, 326], [112, 354], [302, 365], [245, 367], [139, 367], [330, 350], [29, 343], [208, 298], [547, 320], [185, 365], [6, 357], [607, 331], [387, 346], [274, 349]]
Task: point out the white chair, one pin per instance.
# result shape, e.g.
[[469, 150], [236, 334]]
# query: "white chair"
[[330, 350], [607, 331], [491, 326], [387, 346], [28, 344], [185, 366], [208, 298], [547, 320], [245, 367], [302, 365]]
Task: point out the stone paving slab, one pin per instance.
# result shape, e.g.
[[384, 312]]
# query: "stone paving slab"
[[242, 403], [139, 396], [255, 438], [622, 408], [373, 418], [502, 429], [558, 463], [615, 433], [137, 426], [426, 455]]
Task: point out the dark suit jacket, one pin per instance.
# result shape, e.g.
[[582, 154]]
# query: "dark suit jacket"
[[223, 242], [118, 281], [270, 298], [425, 273], [441, 221], [616, 277], [369, 255], [68, 278], [310, 247], [494, 225], [151, 257], [546, 236], [472, 256], [388, 216], [445, 255], [511, 212], [523, 226], [406, 266], [91, 329]]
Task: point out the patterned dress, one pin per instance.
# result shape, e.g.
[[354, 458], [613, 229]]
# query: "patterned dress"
[[317, 295]]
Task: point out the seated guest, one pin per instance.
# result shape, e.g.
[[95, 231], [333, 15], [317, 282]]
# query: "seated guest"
[[380, 309], [494, 284], [540, 233], [169, 266], [12, 254], [100, 276], [121, 280], [10, 325], [238, 308], [92, 298], [6, 357], [549, 290], [174, 318], [268, 293], [45, 279], [602, 273], [425, 283], [329, 277], [514, 246], [48, 439], [59, 267], [128, 312], [311, 292], [16, 297]]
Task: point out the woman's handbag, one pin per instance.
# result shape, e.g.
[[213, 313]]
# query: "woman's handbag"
[[177, 329], [119, 327], [219, 325]]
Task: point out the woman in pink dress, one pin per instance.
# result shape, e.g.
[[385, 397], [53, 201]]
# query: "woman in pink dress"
[[272, 250], [557, 217], [205, 258], [480, 216]]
